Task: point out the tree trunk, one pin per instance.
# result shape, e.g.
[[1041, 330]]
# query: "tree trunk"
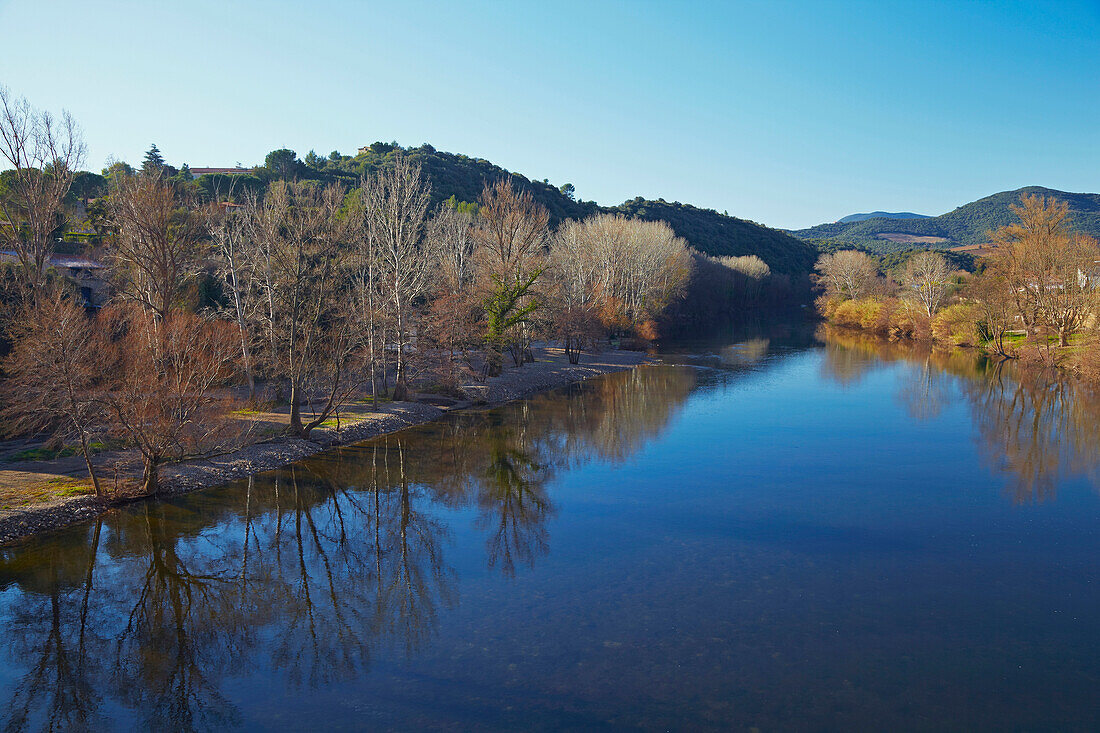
[[296, 426], [247, 364], [151, 476], [400, 380], [88, 462]]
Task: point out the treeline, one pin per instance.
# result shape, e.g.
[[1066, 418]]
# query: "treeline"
[[1035, 297], [460, 179], [894, 260], [300, 292]]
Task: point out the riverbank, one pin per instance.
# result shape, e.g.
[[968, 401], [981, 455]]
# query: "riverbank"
[[550, 370], [959, 327]]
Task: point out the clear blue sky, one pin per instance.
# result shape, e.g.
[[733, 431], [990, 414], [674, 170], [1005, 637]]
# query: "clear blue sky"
[[788, 113]]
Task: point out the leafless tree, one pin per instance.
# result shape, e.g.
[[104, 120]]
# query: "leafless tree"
[[300, 237], [232, 237], [926, 276], [450, 235], [628, 269], [368, 316], [510, 239], [161, 397], [52, 374], [512, 230], [847, 274], [158, 244], [44, 152], [396, 203], [995, 300], [1048, 267]]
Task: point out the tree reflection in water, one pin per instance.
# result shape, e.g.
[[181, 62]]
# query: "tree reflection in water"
[[302, 572], [53, 640], [1037, 430]]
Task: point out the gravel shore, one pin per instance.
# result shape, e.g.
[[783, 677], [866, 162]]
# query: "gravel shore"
[[549, 371]]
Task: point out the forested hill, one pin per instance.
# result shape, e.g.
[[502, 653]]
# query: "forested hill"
[[463, 177], [966, 225], [852, 218], [720, 234]]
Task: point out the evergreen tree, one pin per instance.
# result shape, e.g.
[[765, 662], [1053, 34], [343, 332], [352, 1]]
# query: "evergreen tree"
[[154, 161]]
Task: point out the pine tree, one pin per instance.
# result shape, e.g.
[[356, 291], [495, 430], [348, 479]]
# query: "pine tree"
[[154, 161]]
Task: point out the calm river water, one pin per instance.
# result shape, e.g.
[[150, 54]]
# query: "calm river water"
[[780, 534]]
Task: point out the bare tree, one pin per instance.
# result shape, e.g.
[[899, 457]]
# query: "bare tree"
[[450, 235], [396, 203], [44, 152], [847, 274], [300, 236], [158, 244], [161, 397], [367, 314], [52, 374], [627, 269], [927, 278], [512, 229], [511, 237], [1048, 267], [454, 310], [231, 234]]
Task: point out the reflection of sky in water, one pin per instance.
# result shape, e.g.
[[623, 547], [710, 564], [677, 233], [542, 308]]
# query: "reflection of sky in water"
[[831, 537]]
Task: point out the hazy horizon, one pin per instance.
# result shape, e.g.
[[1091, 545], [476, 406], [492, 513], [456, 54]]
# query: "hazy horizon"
[[789, 114]]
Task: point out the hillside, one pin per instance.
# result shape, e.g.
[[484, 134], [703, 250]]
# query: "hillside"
[[852, 218], [719, 234], [966, 225], [464, 177]]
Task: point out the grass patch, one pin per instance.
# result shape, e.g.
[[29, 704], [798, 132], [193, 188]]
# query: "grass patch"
[[49, 454], [39, 492], [368, 401]]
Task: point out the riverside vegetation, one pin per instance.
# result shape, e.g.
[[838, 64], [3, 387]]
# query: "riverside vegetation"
[[308, 287], [1034, 298]]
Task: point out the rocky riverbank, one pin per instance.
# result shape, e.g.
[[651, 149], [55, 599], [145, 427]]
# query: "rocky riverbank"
[[549, 371]]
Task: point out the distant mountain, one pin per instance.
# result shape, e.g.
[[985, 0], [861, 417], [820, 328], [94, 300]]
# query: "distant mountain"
[[852, 218], [966, 225]]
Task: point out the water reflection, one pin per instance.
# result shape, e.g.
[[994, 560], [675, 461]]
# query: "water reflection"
[[304, 573], [1037, 431]]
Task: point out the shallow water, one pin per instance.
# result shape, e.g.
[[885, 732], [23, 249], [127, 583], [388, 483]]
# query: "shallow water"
[[774, 534]]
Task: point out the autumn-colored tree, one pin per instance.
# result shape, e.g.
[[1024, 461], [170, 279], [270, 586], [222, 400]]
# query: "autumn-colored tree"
[[159, 376], [996, 307], [451, 326], [1048, 268], [578, 329], [52, 374]]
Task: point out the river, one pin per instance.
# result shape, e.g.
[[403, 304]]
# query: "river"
[[782, 533]]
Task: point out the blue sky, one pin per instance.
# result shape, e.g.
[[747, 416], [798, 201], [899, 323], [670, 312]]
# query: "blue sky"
[[787, 113]]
